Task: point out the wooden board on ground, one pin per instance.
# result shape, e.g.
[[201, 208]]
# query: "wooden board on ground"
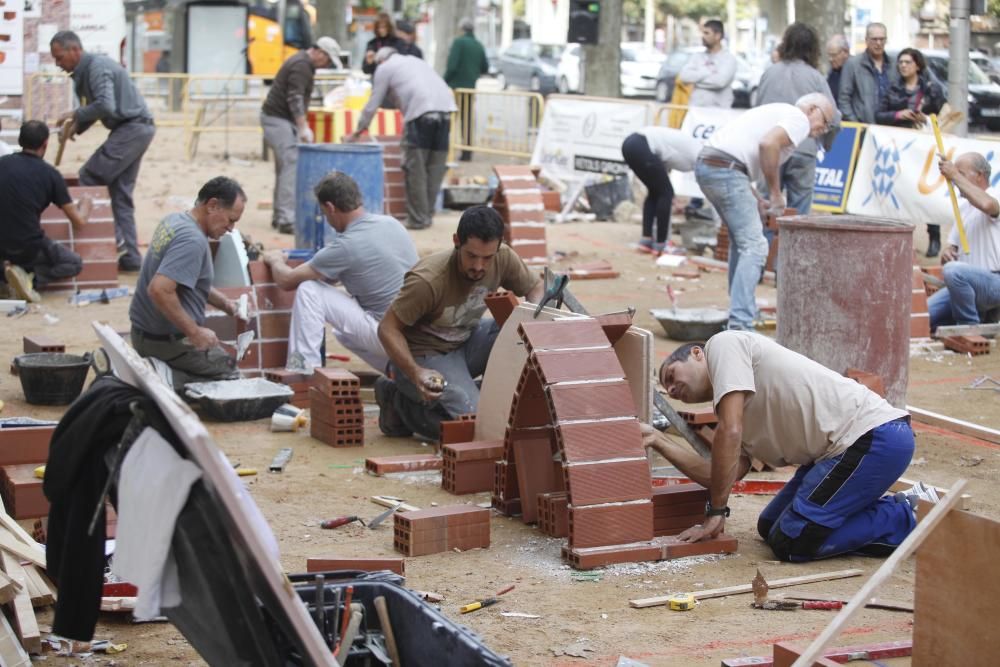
[[956, 425], [24, 614], [12, 654], [11, 544], [957, 596], [40, 589], [986, 330], [642, 603]]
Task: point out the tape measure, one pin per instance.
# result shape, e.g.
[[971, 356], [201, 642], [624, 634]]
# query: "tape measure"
[[681, 602]]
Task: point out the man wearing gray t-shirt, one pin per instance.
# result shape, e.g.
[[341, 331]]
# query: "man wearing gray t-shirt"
[[175, 284], [368, 258]]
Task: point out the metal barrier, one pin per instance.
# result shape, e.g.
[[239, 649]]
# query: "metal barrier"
[[496, 122]]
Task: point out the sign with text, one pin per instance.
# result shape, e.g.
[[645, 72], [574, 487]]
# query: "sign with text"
[[897, 175], [700, 123], [582, 138], [834, 169]]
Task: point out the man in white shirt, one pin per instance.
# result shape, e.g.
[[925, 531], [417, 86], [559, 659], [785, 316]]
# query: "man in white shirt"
[[973, 278], [740, 153], [782, 408]]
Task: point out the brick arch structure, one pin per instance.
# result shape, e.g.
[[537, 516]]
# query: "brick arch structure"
[[573, 429]]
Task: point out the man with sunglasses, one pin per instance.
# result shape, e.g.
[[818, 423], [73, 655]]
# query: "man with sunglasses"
[[742, 152], [866, 78]]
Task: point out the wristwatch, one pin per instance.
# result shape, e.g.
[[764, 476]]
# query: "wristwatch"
[[716, 511]]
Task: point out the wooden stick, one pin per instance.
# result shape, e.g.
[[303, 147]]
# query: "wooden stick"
[[747, 588], [951, 188], [867, 591], [390, 637], [387, 502], [11, 652], [11, 545], [39, 588], [956, 425], [24, 613], [8, 588]]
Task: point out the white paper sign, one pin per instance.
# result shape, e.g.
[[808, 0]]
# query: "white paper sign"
[[12, 47], [46, 31]]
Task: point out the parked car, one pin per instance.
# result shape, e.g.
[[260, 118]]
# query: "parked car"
[[984, 95], [529, 65], [637, 73], [990, 67], [493, 60]]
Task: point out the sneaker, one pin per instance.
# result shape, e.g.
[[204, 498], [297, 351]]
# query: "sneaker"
[[21, 283], [129, 265], [389, 421]]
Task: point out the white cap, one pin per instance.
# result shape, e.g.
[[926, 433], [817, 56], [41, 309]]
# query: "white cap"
[[330, 47]]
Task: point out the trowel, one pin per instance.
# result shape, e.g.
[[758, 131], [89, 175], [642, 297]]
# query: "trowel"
[[243, 344]]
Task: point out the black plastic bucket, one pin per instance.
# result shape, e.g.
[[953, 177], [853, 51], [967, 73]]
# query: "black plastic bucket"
[[49, 378], [604, 197]]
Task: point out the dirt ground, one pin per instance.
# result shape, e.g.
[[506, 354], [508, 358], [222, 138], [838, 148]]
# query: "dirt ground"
[[592, 619]]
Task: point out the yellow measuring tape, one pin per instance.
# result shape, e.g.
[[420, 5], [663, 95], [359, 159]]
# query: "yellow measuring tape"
[[951, 188]]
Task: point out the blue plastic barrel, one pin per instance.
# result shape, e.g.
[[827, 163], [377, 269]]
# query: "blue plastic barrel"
[[362, 162]]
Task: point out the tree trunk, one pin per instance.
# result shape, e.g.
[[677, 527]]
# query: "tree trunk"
[[447, 14], [826, 18], [776, 12], [331, 21], [602, 61]]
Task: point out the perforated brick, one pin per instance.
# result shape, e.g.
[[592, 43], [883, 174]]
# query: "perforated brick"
[[618, 481], [562, 334], [596, 400], [602, 525], [594, 441], [577, 365]]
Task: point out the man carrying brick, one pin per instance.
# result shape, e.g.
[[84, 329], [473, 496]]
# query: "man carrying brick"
[[426, 103], [107, 94], [784, 409], [972, 293], [368, 258], [434, 334], [168, 308], [28, 185]]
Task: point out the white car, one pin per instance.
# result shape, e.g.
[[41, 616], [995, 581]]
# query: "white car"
[[638, 70]]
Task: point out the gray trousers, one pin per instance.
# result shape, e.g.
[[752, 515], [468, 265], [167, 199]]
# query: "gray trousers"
[[460, 369], [116, 165], [282, 138], [187, 363], [425, 161]]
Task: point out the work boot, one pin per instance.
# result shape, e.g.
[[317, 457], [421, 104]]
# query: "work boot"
[[389, 421], [934, 244], [129, 265], [21, 283], [286, 228]]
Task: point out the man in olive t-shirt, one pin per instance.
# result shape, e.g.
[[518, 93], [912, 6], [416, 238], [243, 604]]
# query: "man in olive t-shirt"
[[434, 334], [782, 408]]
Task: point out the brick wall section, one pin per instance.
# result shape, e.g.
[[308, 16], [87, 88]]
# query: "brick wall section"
[[95, 243], [26, 444], [518, 200], [438, 529], [336, 414], [393, 181], [920, 319]]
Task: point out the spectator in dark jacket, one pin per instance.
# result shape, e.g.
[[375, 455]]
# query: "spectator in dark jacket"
[[915, 95], [385, 35], [866, 78], [466, 63], [407, 40], [837, 53]]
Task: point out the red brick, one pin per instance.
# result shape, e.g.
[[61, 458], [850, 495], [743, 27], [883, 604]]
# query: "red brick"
[[593, 483], [615, 325], [537, 472], [552, 201], [94, 231], [22, 492], [694, 508], [336, 382], [26, 444], [291, 378], [870, 380], [475, 450], [673, 548], [974, 345], [457, 430], [587, 559], [602, 525], [223, 325], [686, 272], [336, 437], [462, 477], [699, 416], [260, 273], [397, 565], [97, 250], [920, 326], [577, 365], [522, 230], [562, 334], [597, 400], [274, 325], [679, 493], [595, 441], [382, 465], [501, 305], [36, 344], [272, 297], [529, 407]]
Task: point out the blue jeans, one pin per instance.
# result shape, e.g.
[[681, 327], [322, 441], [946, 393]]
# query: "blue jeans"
[[731, 195], [460, 369], [970, 294], [835, 506]]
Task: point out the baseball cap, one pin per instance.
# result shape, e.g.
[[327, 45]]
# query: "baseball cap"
[[330, 47]]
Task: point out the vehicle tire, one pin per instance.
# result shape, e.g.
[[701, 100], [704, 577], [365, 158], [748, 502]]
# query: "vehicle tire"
[[536, 83], [662, 92], [502, 80], [563, 86]]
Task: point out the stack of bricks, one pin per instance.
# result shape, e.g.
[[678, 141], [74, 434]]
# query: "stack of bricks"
[[336, 416], [920, 318], [553, 514], [22, 449], [439, 529], [393, 179], [297, 382], [468, 467], [970, 344], [95, 243], [678, 507], [518, 200]]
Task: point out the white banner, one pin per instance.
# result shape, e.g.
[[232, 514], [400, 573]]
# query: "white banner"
[[12, 47], [700, 123], [897, 175], [581, 138]]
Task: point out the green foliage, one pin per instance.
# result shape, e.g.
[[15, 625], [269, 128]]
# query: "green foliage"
[[694, 9]]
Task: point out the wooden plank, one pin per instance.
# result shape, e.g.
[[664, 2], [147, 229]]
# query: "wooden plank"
[[12, 654], [956, 425], [8, 522], [642, 603], [389, 502], [903, 551], [957, 560], [39, 587], [8, 588], [24, 614], [9, 543], [987, 330], [879, 651]]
